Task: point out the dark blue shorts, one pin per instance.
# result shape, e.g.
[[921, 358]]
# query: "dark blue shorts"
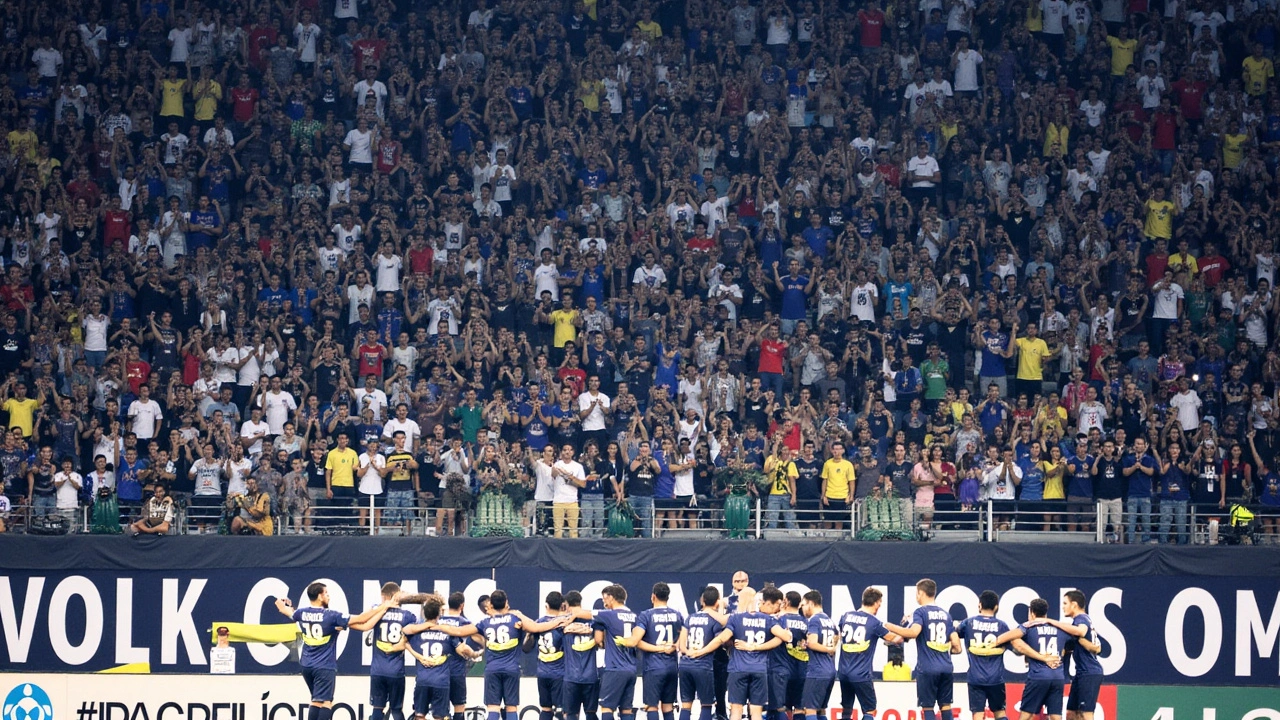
[[986, 696], [458, 690], [660, 687], [320, 683], [778, 683], [386, 692], [550, 692], [617, 689], [1084, 693], [1037, 694], [502, 689], [748, 689], [817, 693], [934, 690], [698, 683], [580, 696], [864, 692], [431, 701]]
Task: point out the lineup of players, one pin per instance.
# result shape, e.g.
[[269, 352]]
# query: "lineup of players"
[[785, 655]]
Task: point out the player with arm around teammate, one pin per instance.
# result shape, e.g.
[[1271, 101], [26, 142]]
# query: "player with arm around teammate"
[[936, 641], [753, 634], [433, 648], [1045, 674], [984, 638], [860, 630], [697, 666], [820, 643], [320, 627], [1088, 678], [581, 677], [550, 649], [658, 633]]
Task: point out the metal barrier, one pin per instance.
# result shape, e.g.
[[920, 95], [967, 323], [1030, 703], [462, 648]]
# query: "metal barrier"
[[991, 521]]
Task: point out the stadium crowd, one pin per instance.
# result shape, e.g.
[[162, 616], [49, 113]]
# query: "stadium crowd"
[[280, 258]]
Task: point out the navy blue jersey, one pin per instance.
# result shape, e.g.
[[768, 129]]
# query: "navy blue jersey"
[[386, 634], [1086, 662], [616, 623], [437, 648], [702, 629], [550, 650], [986, 659], [320, 628], [456, 663], [859, 633], [661, 626], [791, 658], [933, 644], [580, 658], [1048, 640], [502, 643], [821, 665], [755, 628]]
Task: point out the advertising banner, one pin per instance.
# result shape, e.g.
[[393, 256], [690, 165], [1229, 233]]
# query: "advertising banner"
[[284, 697], [1174, 702], [1203, 618]]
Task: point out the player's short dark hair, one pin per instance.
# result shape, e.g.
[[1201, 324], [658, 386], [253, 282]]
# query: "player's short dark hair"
[[710, 596], [814, 597], [431, 609], [498, 600], [771, 594], [555, 600], [1076, 597], [390, 589], [573, 598], [928, 587], [988, 600], [793, 599], [871, 596], [1038, 607], [457, 600], [662, 591], [314, 590], [617, 592]]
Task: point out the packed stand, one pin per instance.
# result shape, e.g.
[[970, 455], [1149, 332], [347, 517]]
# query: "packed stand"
[[284, 262]]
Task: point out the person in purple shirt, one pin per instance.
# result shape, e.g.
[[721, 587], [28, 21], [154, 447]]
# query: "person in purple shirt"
[[320, 627]]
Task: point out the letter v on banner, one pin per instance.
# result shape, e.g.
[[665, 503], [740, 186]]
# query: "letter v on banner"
[[18, 631]]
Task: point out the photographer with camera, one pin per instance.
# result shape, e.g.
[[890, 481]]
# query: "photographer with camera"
[[253, 509], [157, 514]]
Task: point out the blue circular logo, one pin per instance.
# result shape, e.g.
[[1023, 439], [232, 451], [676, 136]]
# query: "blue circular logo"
[[27, 702]]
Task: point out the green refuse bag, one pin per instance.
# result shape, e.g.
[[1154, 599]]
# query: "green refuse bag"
[[737, 515], [622, 521], [106, 513]]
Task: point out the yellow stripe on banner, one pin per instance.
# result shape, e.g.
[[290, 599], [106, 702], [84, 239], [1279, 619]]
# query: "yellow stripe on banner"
[[142, 668], [246, 633]]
